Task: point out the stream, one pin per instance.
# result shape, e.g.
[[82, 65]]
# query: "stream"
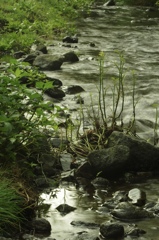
[[134, 32]]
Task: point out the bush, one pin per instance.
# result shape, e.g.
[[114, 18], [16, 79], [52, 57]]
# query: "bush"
[[23, 114]]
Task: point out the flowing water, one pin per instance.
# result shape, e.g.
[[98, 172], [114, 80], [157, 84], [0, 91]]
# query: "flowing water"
[[134, 31]]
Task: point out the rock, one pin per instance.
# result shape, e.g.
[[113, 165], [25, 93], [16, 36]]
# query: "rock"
[[112, 230], [48, 162], [85, 170], [42, 48], [69, 39], [142, 155], [48, 62], [92, 44], [137, 197], [82, 224], [42, 182], [70, 57], [55, 93], [110, 162], [100, 182], [18, 54], [31, 57], [135, 232], [65, 209], [41, 226], [58, 142], [66, 160], [73, 89], [109, 3], [127, 211], [56, 82]]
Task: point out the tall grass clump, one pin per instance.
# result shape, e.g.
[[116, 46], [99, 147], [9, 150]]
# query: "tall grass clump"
[[10, 207]]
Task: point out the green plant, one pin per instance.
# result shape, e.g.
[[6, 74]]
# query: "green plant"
[[27, 22], [100, 119], [10, 206], [24, 115]]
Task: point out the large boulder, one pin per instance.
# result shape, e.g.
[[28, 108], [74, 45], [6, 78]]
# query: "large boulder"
[[41, 226], [142, 155], [124, 153], [48, 62], [111, 230], [110, 162]]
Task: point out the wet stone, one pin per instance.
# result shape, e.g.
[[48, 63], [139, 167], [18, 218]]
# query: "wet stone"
[[111, 230], [41, 226], [55, 93], [65, 209], [73, 89], [137, 197], [85, 224], [127, 211], [70, 57], [100, 182], [69, 39]]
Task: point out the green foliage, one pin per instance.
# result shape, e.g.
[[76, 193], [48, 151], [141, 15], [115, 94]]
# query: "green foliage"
[[23, 113], [10, 206], [28, 21]]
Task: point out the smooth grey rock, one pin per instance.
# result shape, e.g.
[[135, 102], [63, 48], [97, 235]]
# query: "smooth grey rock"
[[48, 62]]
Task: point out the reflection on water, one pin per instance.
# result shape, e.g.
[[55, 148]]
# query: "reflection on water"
[[88, 209]]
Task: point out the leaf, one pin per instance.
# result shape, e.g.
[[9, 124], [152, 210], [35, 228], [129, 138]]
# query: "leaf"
[[39, 85], [7, 127], [48, 85], [155, 105], [18, 72]]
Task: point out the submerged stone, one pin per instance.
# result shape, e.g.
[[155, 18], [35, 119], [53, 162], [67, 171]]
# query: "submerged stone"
[[65, 209]]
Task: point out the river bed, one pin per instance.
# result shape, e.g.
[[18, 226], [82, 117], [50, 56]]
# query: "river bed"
[[134, 31]]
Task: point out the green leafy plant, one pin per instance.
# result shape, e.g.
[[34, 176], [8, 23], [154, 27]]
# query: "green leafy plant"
[[23, 115]]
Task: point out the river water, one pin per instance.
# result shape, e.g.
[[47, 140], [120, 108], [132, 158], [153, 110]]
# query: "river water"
[[134, 32]]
